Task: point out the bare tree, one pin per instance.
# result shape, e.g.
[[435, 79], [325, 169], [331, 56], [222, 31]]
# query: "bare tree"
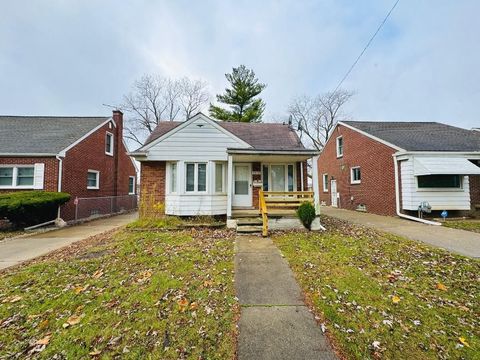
[[154, 99], [316, 117]]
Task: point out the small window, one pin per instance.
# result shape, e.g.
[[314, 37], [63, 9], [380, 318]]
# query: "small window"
[[439, 182], [325, 182], [131, 185], [355, 175], [339, 146], [25, 176], [173, 177], [93, 178], [109, 144], [219, 175], [6, 176], [196, 177]]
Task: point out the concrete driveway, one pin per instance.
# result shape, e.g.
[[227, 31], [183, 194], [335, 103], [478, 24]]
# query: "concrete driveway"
[[463, 242], [15, 251]]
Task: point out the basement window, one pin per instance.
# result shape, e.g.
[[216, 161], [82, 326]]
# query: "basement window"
[[439, 182]]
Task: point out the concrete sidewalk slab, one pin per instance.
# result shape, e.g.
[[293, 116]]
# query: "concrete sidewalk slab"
[[17, 250], [463, 242], [274, 321]]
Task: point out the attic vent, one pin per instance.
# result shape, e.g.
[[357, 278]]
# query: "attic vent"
[[200, 125]]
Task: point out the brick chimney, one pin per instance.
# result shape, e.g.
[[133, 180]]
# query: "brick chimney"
[[118, 145]]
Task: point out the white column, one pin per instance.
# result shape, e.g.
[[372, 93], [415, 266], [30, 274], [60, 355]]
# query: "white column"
[[316, 193], [229, 186]]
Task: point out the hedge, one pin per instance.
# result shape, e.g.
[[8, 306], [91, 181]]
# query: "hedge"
[[26, 208]]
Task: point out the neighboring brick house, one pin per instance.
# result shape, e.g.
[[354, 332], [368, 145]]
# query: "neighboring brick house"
[[83, 156], [436, 163]]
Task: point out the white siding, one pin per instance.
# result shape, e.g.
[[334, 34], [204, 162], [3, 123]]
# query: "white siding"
[[191, 205], [195, 143], [441, 199]]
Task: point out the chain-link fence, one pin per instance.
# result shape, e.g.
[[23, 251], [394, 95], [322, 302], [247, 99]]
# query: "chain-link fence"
[[99, 206]]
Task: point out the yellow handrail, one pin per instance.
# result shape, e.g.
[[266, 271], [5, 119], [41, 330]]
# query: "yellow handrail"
[[263, 210]]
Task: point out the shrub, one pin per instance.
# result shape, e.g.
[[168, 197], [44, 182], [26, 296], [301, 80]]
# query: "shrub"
[[31, 207], [306, 214]]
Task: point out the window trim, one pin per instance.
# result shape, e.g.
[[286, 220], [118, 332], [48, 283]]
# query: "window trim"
[[224, 190], [97, 187], [352, 180], [169, 177], [107, 135], [134, 192], [15, 168], [195, 178], [339, 155], [325, 182]]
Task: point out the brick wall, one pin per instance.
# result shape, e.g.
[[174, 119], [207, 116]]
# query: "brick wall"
[[299, 177], [474, 181], [377, 188], [50, 180], [153, 180], [256, 166]]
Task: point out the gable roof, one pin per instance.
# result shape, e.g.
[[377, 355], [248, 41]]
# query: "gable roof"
[[260, 136], [420, 136], [43, 134]]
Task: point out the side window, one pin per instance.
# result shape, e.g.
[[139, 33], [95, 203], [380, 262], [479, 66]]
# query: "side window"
[[325, 182], [109, 144], [355, 175], [131, 185], [339, 146], [93, 180]]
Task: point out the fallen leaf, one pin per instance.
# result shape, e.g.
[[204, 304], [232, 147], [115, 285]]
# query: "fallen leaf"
[[12, 299], [97, 274], [182, 305], [95, 352], [207, 283], [442, 287], [193, 306], [72, 320], [44, 341], [43, 324], [395, 299], [80, 289], [463, 341]]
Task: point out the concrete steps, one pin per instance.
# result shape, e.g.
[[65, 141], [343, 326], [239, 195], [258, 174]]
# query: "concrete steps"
[[249, 225]]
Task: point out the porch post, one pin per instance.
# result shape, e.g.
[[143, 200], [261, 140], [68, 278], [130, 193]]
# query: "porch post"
[[229, 186], [316, 193]]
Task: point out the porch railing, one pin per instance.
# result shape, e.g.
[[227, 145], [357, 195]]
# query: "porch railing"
[[280, 200]]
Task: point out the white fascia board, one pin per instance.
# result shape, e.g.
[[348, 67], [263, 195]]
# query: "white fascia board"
[[188, 122], [371, 136], [64, 151]]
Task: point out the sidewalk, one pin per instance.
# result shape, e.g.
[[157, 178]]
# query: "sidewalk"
[[275, 322], [16, 250], [463, 242]]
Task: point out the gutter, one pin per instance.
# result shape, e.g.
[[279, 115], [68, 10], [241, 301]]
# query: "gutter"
[[397, 198], [59, 182], [273, 152]]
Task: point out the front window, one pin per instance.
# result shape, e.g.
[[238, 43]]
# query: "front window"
[[173, 177], [339, 146], [439, 182], [93, 178], [355, 175], [278, 177], [325, 182], [131, 185], [219, 175], [109, 144], [17, 176], [196, 177]]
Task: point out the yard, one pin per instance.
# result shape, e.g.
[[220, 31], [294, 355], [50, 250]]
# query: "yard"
[[131, 294], [469, 225], [382, 296]]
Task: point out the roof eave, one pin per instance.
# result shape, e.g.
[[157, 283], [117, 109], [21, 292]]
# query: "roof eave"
[[28, 154], [274, 151]]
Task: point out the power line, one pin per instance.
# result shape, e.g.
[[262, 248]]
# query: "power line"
[[366, 46]]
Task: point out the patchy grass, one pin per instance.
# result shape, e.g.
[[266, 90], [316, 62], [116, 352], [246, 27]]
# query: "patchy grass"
[[132, 295], [469, 225], [175, 222], [382, 296], [10, 233]]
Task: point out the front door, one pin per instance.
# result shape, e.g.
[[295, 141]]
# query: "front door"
[[242, 185], [333, 191]]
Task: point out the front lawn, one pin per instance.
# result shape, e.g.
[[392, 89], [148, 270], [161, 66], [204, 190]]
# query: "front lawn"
[[382, 296], [469, 225], [130, 295]]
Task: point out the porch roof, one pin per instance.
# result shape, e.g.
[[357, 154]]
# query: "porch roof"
[[271, 155]]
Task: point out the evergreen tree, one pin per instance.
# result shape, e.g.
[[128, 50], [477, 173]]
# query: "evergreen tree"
[[241, 98]]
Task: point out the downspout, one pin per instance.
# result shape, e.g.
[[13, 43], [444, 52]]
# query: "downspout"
[[397, 198], [59, 182]]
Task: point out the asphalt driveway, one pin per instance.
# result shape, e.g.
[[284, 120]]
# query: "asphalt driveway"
[[463, 242], [17, 250]]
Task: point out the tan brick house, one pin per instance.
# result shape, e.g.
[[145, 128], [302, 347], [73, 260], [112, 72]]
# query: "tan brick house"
[[389, 168], [83, 156]]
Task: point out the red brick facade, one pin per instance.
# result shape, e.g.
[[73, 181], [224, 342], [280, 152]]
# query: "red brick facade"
[[89, 154], [475, 193], [153, 175], [377, 188]]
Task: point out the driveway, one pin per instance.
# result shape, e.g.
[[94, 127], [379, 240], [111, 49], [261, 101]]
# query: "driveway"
[[463, 242], [15, 251]]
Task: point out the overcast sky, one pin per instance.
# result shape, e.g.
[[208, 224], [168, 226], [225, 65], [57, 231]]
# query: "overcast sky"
[[70, 57]]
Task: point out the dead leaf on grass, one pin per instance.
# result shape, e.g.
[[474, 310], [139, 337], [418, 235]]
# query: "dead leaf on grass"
[[43, 341], [395, 299], [463, 341], [72, 320], [182, 305], [12, 299], [441, 287], [97, 274], [95, 352]]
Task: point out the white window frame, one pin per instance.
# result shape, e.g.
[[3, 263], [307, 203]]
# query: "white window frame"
[[352, 180], [338, 148], [195, 178], [269, 165], [97, 187], [224, 187], [169, 177], [325, 182], [134, 185], [107, 135], [15, 176]]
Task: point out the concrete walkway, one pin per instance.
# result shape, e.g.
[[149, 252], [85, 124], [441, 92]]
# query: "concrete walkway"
[[275, 322], [459, 241], [17, 250]]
